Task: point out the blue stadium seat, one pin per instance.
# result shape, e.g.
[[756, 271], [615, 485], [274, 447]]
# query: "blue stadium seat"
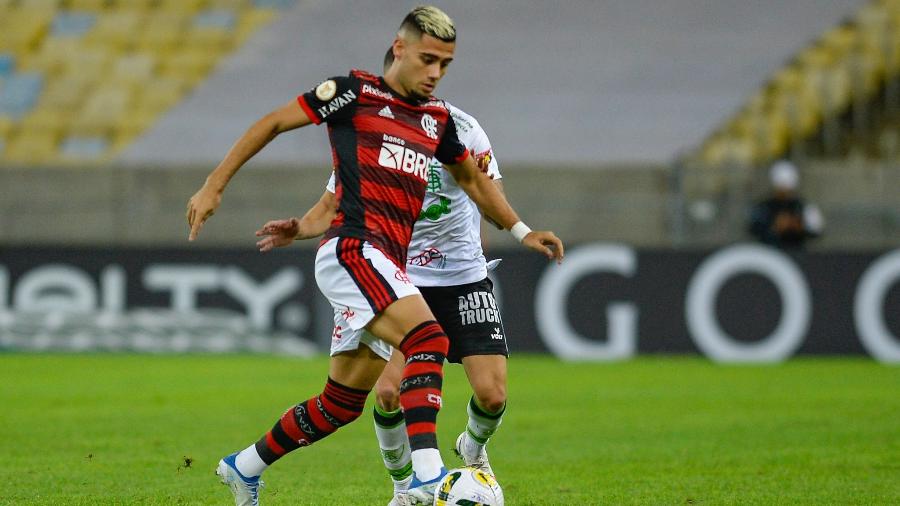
[[274, 4], [215, 18], [20, 93], [72, 24], [83, 147], [7, 64]]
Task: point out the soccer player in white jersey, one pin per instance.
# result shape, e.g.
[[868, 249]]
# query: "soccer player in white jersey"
[[446, 263]]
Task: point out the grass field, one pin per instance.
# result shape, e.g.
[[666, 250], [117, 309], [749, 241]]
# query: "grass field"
[[108, 429]]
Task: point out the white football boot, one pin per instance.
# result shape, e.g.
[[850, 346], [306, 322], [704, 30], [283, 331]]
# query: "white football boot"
[[245, 490], [474, 455]]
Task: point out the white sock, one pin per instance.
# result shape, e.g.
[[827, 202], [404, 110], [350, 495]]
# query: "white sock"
[[394, 444], [481, 425], [427, 463], [249, 463]]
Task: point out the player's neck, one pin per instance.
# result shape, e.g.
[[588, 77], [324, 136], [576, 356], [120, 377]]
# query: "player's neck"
[[390, 78]]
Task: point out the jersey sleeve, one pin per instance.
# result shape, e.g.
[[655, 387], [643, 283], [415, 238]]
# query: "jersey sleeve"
[[331, 101], [480, 146], [331, 183], [450, 150]]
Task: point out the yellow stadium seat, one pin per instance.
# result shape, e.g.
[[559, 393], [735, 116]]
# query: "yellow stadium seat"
[[116, 28], [162, 32], [52, 55], [161, 94], [23, 29], [40, 4], [192, 65], [234, 5], [94, 61], [135, 68], [48, 121], [251, 20], [31, 148], [65, 93], [89, 5], [6, 126], [184, 6], [209, 39]]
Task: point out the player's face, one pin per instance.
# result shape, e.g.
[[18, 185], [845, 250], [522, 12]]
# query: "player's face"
[[423, 62]]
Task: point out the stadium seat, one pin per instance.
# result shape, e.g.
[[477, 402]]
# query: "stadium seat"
[[134, 68], [7, 65], [72, 23], [31, 148], [90, 5], [184, 6], [95, 74], [19, 94], [65, 93], [50, 121], [76, 148], [116, 29]]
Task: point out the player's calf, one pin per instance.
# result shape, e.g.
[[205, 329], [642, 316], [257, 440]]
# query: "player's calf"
[[425, 348]]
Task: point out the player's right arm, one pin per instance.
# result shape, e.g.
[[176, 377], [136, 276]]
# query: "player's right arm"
[[315, 222], [205, 202]]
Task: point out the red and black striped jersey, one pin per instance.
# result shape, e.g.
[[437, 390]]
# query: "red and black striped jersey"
[[382, 144]]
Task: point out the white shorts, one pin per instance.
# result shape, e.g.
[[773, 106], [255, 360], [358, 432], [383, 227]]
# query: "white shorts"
[[360, 282]]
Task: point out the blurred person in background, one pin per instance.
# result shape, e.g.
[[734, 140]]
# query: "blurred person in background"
[[784, 219]]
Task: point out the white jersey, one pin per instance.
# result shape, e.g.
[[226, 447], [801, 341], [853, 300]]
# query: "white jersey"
[[445, 249]]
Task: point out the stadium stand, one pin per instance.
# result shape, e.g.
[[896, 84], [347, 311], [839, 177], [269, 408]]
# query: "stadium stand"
[[828, 84], [81, 79]]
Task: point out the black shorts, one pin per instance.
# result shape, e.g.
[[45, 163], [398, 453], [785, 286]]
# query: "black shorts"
[[470, 317]]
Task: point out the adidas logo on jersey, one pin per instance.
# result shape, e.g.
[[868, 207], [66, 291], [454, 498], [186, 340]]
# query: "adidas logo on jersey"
[[386, 113]]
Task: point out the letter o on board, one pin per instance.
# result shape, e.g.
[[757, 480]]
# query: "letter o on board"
[[868, 304], [704, 287]]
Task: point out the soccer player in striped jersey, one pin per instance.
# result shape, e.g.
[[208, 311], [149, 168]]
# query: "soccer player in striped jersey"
[[447, 264], [381, 166]]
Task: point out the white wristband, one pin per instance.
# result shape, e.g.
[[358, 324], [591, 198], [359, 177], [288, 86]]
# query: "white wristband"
[[519, 231]]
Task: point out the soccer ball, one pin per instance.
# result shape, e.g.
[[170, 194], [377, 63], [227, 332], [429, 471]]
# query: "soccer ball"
[[468, 486]]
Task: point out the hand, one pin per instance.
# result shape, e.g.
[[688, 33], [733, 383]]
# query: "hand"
[[277, 233], [200, 207], [546, 243]]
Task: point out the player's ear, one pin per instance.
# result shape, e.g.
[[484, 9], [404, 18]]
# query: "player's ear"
[[398, 47]]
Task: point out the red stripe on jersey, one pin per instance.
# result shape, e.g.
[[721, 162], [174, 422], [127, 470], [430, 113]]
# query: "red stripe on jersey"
[[308, 110]]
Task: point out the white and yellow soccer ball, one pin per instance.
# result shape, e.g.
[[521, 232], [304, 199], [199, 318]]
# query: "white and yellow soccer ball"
[[468, 486]]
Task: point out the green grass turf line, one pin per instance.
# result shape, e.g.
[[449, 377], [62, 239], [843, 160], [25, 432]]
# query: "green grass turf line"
[[119, 429]]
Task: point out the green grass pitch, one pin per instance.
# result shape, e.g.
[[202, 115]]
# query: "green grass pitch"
[[112, 429]]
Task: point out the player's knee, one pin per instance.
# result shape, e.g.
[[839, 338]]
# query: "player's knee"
[[491, 399], [387, 396]]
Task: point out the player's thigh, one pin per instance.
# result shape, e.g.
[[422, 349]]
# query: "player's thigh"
[[488, 376], [359, 368], [387, 388], [403, 315]]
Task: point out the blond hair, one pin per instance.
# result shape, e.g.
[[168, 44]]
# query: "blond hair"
[[431, 20]]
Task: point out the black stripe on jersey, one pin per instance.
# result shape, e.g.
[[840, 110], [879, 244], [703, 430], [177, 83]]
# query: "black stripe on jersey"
[[343, 138]]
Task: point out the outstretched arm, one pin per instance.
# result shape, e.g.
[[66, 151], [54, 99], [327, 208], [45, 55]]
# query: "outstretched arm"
[[485, 194], [314, 223], [205, 202]]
